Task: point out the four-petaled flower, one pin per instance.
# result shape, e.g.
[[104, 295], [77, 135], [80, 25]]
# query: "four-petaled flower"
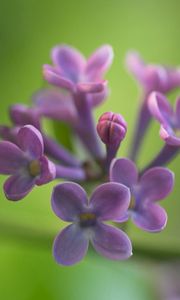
[[71, 71], [25, 162], [109, 201], [168, 119], [155, 184]]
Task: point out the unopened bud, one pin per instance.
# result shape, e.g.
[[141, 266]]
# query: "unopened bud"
[[111, 128]]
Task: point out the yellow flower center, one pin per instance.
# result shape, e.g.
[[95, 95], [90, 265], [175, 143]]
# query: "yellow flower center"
[[87, 219], [132, 203], [34, 168], [177, 132]]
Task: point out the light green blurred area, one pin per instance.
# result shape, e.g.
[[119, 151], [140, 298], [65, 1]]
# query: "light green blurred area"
[[28, 30]]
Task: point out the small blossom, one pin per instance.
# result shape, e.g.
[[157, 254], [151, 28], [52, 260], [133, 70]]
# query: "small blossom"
[[153, 77], [71, 71], [83, 79], [154, 185], [108, 202], [169, 120], [25, 162]]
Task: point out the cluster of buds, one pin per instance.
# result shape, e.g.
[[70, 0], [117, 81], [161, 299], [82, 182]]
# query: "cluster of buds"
[[30, 157]]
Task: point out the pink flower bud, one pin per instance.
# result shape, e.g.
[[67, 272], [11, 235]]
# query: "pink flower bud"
[[111, 128]]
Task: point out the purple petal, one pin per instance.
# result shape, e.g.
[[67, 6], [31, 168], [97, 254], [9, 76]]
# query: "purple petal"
[[48, 171], [174, 77], [124, 171], [135, 65], [22, 115], [70, 246], [123, 218], [70, 62], [9, 133], [98, 98], [111, 242], [18, 186], [53, 77], [177, 110], [91, 87], [156, 184], [169, 136], [160, 108], [11, 158], [68, 201], [152, 218], [55, 104], [156, 78], [30, 141], [99, 62], [110, 201]]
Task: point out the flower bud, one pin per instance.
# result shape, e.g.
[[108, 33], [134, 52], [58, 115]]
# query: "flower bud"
[[111, 128]]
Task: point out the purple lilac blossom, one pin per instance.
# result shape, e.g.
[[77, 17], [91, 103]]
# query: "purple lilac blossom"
[[154, 185], [25, 163], [83, 79], [151, 78], [74, 110], [109, 201], [169, 120], [112, 130], [22, 115], [71, 71]]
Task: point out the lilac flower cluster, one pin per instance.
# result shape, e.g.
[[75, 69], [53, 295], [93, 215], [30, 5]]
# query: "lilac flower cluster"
[[30, 157]]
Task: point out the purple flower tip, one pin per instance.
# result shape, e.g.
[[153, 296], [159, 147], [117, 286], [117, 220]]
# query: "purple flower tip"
[[111, 128]]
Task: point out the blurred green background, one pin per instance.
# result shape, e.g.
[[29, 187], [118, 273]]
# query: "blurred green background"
[[28, 30]]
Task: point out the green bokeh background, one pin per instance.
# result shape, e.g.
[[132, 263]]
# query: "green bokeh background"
[[28, 30]]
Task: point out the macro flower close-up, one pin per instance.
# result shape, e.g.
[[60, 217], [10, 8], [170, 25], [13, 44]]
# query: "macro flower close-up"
[[89, 150], [108, 202], [71, 71]]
